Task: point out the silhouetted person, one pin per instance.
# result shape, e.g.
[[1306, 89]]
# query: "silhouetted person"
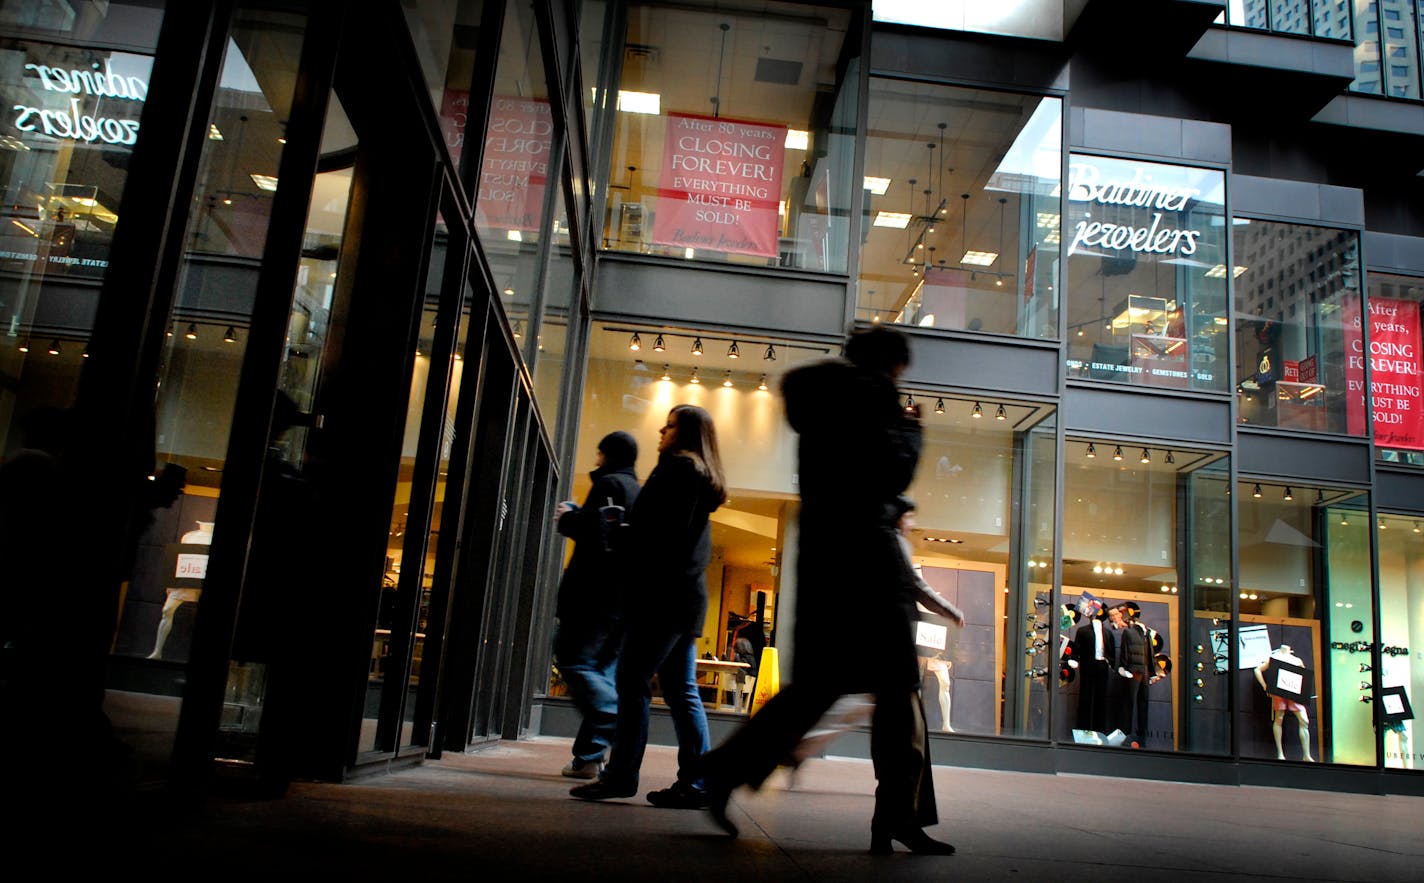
[[589, 632], [857, 454]]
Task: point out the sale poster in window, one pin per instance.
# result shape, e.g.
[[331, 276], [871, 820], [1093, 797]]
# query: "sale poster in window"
[[720, 186], [515, 168], [1394, 378]]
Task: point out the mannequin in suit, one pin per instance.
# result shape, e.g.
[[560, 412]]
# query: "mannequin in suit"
[[1090, 652], [1132, 665], [1154, 644]]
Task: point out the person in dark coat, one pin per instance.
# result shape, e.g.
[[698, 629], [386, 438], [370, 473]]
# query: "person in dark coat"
[[1092, 656], [1132, 665], [589, 633], [665, 606], [857, 454]]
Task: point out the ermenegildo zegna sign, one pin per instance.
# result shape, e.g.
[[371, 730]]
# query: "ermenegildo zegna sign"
[[88, 112]]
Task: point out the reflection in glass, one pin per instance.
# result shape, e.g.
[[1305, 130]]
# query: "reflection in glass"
[[1146, 274], [445, 35], [996, 667], [1123, 535], [1368, 76], [1305, 624], [560, 290], [962, 229], [733, 135], [1395, 303], [509, 209], [1299, 348], [1401, 676]]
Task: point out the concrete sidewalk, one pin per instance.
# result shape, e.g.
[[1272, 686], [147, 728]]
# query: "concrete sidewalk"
[[504, 813]]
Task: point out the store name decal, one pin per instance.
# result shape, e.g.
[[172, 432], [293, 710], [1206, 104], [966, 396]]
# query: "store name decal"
[[73, 122], [1084, 186]]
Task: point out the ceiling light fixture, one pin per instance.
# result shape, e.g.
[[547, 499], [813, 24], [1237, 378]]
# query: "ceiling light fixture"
[[1000, 414], [939, 406], [770, 354], [1092, 452], [54, 347], [658, 345], [192, 333], [695, 378], [1288, 496], [666, 375], [727, 381], [1256, 491], [1170, 459], [697, 346], [1146, 456], [977, 412], [1117, 452], [909, 402], [635, 342], [762, 385], [733, 351]]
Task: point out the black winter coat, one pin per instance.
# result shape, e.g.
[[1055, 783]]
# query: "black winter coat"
[[857, 453], [671, 547], [592, 586]]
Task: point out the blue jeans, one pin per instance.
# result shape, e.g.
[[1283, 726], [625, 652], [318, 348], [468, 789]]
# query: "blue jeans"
[[673, 658], [587, 656]]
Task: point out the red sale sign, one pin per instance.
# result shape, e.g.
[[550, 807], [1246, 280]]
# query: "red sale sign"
[[1394, 378], [720, 185], [516, 164]]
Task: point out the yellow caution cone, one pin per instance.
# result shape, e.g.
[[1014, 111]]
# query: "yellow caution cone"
[[768, 680]]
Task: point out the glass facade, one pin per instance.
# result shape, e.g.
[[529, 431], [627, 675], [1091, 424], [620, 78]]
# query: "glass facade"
[[1320, 18], [962, 207], [1298, 341], [1146, 273], [1401, 675], [733, 135]]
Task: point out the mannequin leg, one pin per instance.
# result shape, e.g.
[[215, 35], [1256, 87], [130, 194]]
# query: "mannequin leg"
[[1304, 723], [944, 700], [1276, 719], [165, 625]]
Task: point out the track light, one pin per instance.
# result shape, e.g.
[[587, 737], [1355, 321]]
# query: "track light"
[[697, 346], [733, 352], [770, 354], [695, 378], [762, 385], [635, 342], [1146, 456], [230, 335], [1416, 527], [1000, 415], [1288, 496], [977, 412], [85, 355], [54, 347], [939, 406], [909, 402], [1117, 452], [518, 328], [24, 346], [1319, 498], [1256, 491], [192, 333], [1092, 452], [658, 344], [666, 375], [727, 380], [1170, 459]]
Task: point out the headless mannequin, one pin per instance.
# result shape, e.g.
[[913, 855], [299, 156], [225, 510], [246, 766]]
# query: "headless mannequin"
[[175, 598], [1280, 705]]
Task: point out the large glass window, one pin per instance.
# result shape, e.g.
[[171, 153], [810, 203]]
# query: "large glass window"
[[73, 88], [1306, 627], [963, 199], [560, 291], [1299, 352], [734, 135], [1322, 18], [1146, 273], [514, 173], [1401, 677], [989, 677], [446, 34], [1396, 359], [1146, 582]]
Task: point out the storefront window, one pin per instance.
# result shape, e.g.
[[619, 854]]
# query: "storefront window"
[[1401, 568], [989, 677], [1146, 585], [446, 34], [73, 88], [962, 228], [1299, 351], [514, 174], [734, 135], [1395, 367], [1146, 274], [1306, 624]]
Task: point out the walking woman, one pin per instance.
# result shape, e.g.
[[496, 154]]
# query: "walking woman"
[[665, 605]]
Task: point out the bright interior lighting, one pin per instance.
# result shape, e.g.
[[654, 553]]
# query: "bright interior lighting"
[[514, 236], [214, 133], [979, 258], [796, 139], [1047, 220], [898, 220], [264, 182], [878, 186], [689, 253], [640, 102]]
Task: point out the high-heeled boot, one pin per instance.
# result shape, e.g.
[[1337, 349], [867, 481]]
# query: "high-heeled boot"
[[914, 839]]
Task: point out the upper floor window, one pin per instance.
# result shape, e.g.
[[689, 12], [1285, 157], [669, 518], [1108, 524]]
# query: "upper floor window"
[[1395, 362], [1147, 273], [962, 209], [1299, 363], [734, 135]]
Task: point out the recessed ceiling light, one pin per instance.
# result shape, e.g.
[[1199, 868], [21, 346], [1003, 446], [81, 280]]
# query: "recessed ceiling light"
[[897, 220], [878, 186], [264, 182]]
